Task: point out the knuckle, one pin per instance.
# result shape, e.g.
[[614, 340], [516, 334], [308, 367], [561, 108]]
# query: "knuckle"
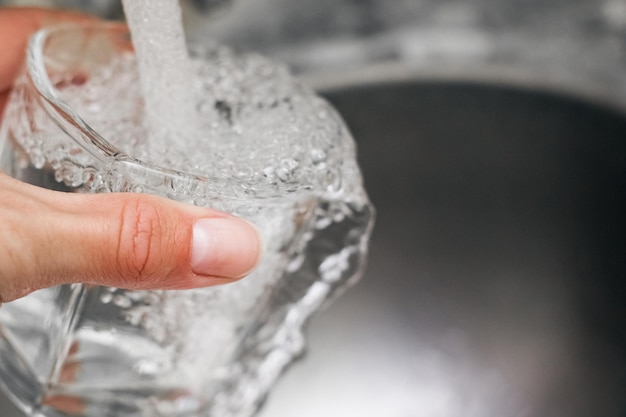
[[138, 248]]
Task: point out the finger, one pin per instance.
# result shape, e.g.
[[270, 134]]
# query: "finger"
[[127, 240], [16, 25]]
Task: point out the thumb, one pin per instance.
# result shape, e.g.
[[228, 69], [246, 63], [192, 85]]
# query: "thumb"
[[133, 241]]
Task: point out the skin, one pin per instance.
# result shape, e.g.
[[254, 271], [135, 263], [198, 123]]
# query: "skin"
[[133, 241]]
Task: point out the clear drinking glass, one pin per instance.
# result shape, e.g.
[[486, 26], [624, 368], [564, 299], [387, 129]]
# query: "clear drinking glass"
[[84, 350]]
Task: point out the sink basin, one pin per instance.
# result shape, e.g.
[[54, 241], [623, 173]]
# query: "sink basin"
[[496, 277]]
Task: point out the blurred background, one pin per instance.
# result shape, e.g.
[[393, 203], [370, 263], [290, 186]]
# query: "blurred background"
[[492, 137], [569, 44]]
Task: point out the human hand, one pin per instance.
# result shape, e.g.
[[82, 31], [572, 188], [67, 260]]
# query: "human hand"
[[124, 240]]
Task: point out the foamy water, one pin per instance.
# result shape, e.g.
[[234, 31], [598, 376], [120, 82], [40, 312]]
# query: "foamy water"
[[165, 71]]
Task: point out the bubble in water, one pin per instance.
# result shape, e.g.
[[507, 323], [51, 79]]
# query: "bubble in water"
[[106, 298], [122, 301], [287, 169], [318, 156]]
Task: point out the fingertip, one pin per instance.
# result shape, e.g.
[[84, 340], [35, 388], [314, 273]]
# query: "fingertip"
[[227, 247]]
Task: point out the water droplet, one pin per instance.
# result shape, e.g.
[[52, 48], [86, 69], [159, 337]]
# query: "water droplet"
[[122, 301], [283, 174], [323, 223], [106, 298], [268, 171], [318, 156], [338, 217], [37, 159]]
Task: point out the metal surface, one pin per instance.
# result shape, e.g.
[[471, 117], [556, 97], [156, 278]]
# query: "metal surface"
[[496, 280]]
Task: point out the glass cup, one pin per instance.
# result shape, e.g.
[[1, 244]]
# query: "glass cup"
[[84, 350]]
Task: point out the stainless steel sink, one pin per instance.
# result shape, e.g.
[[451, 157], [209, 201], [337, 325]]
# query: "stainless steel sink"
[[496, 280]]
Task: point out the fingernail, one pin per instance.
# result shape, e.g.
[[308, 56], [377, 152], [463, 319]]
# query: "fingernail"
[[224, 247]]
